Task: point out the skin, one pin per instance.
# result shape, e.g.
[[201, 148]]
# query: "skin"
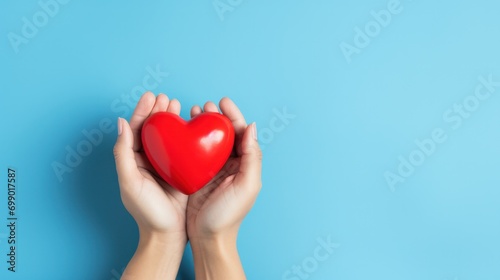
[[166, 218]]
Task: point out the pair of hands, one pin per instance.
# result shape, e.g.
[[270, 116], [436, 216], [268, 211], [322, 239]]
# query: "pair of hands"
[[209, 218]]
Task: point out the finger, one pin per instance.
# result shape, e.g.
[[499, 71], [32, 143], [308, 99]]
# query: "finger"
[[126, 166], [141, 112], [250, 169], [198, 198], [210, 107], [174, 107], [221, 180], [161, 104], [142, 162], [217, 179], [230, 110], [195, 110]]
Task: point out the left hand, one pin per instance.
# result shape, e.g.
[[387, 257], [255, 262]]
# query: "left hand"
[[154, 204], [158, 209]]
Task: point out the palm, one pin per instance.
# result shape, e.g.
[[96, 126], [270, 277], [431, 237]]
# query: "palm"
[[167, 201], [206, 208]]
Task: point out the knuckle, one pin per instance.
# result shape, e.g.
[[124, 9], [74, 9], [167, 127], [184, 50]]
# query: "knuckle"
[[258, 153], [116, 151]]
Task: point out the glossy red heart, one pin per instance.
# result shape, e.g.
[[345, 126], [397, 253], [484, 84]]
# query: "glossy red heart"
[[187, 155]]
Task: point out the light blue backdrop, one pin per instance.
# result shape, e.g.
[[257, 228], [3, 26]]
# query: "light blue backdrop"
[[360, 82]]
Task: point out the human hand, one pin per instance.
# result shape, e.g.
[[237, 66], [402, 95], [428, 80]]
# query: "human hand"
[[215, 212], [158, 209]]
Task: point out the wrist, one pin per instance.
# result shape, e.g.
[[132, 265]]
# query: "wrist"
[[158, 255], [216, 257], [173, 241], [195, 232], [216, 243]]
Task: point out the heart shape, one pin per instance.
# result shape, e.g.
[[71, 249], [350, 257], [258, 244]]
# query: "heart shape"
[[187, 155]]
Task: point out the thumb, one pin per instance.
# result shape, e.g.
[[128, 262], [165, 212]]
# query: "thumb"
[[126, 167], [249, 173]]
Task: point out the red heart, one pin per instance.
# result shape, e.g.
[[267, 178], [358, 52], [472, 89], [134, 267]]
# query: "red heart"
[[187, 155]]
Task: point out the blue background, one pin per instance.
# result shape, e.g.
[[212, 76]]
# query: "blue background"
[[323, 171]]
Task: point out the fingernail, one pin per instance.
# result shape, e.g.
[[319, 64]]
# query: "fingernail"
[[254, 131], [119, 126]]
